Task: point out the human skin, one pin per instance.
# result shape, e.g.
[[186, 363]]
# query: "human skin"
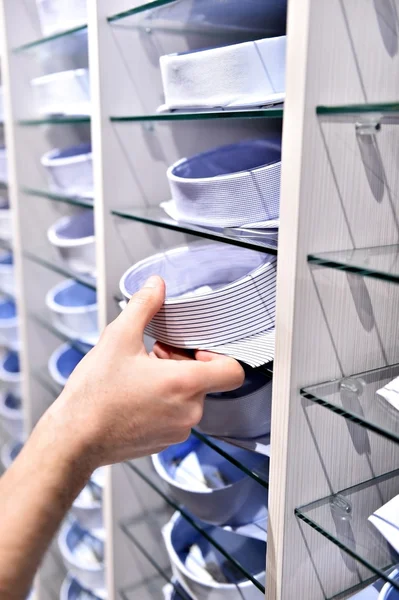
[[120, 403]]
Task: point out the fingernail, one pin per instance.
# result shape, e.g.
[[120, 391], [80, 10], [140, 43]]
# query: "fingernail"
[[152, 282]]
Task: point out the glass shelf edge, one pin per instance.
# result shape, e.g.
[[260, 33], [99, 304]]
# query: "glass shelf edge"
[[125, 528], [186, 228], [54, 121], [353, 109], [58, 269], [351, 489], [187, 517], [378, 572], [75, 200], [138, 9], [46, 324], [346, 414], [206, 439], [49, 38], [261, 113], [330, 263]]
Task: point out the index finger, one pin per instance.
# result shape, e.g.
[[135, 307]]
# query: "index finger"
[[217, 374]]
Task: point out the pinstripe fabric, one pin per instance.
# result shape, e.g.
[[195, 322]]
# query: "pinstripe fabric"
[[229, 186], [219, 298]]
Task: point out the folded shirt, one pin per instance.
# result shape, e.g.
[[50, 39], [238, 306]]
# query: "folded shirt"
[[249, 74], [386, 520], [229, 186], [236, 318], [390, 393]]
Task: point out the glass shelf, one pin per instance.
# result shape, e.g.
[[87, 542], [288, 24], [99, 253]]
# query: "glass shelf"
[[44, 322], [74, 200], [342, 518], [251, 113], [42, 376], [209, 442], [383, 112], [149, 588], [49, 38], [6, 245], [60, 120], [48, 258], [165, 574], [177, 16], [381, 262], [355, 399], [195, 524], [138, 9], [156, 216]]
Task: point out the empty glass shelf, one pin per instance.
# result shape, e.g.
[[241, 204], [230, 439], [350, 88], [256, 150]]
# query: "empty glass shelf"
[[69, 120], [275, 112], [381, 262], [48, 258], [49, 38], [263, 242], [342, 518], [383, 112], [355, 399], [74, 200], [194, 523]]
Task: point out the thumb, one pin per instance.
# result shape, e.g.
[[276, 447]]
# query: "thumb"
[[144, 305]]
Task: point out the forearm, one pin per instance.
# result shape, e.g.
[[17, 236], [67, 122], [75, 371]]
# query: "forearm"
[[35, 494]]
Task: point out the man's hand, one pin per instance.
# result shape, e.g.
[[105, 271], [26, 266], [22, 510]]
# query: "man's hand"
[[120, 403]]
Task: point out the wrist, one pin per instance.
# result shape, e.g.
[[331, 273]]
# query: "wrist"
[[66, 441]]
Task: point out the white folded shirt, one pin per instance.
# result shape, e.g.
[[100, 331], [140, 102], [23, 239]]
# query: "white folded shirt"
[[386, 520], [249, 74], [390, 393]]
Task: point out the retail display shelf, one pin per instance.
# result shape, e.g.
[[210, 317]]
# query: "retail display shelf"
[[151, 587], [44, 322], [355, 399], [253, 474], [276, 112], [166, 576], [385, 112], [73, 200], [171, 16], [58, 120], [194, 523], [46, 259], [342, 518], [6, 245], [49, 38], [138, 9], [262, 242], [43, 378], [381, 262]]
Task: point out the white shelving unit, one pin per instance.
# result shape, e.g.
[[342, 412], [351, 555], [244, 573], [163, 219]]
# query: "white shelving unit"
[[339, 192]]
